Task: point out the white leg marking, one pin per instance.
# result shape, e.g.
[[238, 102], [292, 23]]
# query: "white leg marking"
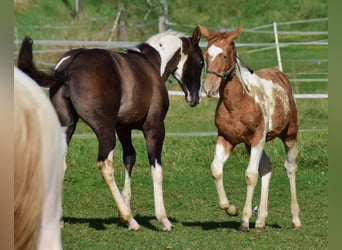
[[262, 211], [157, 178], [126, 192], [107, 172], [221, 156], [291, 169]]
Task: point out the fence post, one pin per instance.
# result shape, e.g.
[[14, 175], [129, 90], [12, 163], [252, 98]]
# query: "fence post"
[[79, 6], [280, 66], [161, 24]]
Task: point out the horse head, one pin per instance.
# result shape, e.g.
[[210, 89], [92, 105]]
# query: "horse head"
[[182, 57], [220, 57]]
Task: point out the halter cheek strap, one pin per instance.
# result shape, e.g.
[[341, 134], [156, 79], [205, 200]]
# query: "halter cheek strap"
[[229, 73]]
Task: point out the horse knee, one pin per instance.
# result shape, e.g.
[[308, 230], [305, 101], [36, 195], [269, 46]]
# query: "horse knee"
[[291, 168], [251, 178], [216, 172]]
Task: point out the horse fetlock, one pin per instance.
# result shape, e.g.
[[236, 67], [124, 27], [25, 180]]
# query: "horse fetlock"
[[232, 210]]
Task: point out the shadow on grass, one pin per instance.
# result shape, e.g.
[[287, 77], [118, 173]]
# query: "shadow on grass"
[[211, 225], [100, 224], [146, 222]]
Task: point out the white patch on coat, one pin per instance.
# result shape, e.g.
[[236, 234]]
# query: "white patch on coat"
[[167, 43], [264, 93], [213, 51]]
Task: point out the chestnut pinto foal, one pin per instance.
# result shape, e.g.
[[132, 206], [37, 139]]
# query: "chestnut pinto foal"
[[253, 108]]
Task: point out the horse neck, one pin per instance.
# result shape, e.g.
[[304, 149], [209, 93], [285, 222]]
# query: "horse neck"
[[232, 92], [151, 54], [154, 57]]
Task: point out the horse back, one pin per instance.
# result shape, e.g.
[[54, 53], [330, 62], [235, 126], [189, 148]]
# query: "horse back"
[[119, 84]]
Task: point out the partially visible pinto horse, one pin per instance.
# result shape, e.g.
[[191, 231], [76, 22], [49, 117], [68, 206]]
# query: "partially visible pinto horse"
[[253, 107], [118, 92], [39, 165]]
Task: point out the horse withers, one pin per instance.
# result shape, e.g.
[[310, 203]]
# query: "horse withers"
[[121, 91], [253, 108], [39, 164]]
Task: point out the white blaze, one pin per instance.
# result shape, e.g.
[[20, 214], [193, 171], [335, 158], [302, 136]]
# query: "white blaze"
[[213, 51]]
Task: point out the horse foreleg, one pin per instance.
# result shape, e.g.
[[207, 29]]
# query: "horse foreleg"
[[291, 149], [251, 181], [222, 152], [107, 171]]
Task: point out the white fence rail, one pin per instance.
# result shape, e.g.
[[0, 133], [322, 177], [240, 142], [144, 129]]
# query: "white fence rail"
[[266, 29]]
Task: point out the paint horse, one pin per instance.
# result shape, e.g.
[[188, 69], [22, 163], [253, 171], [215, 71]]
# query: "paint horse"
[[118, 92], [253, 108], [39, 165]]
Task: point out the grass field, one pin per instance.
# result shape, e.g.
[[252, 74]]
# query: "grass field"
[[91, 218], [90, 213]]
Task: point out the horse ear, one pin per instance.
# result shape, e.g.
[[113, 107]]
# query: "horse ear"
[[196, 35], [235, 33], [204, 31]]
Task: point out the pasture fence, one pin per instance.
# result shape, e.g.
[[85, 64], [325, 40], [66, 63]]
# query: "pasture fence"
[[57, 47]]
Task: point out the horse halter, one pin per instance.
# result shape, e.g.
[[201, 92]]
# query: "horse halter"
[[230, 72]]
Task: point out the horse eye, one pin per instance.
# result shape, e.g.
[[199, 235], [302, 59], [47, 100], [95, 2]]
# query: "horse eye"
[[160, 45], [225, 57]]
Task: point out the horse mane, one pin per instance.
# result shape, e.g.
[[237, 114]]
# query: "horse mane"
[[28, 176], [155, 38]]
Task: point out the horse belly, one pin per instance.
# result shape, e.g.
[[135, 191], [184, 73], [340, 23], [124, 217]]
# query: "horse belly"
[[133, 110]]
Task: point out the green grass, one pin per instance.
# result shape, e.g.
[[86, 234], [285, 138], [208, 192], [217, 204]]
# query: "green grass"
[[189, 191], [90, 213]]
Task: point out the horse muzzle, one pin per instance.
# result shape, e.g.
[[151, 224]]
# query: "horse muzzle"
[[193, 101], [211, 90]]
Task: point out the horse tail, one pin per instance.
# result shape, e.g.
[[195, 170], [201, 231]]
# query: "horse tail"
[[26, 64], [28, 175]]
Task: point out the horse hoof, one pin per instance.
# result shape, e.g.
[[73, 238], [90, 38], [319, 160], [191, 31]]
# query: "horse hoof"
[[167, 225], [296, 224], [232, 211], [259, 229], [244, 227], [168, 229], [296, 227], [134, 227]]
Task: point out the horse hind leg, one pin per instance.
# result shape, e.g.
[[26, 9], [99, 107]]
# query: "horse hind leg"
[[251, 181], [291, 149], [222, 152], [154, 136], [105, 165], [129, 157], [265, 173]]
